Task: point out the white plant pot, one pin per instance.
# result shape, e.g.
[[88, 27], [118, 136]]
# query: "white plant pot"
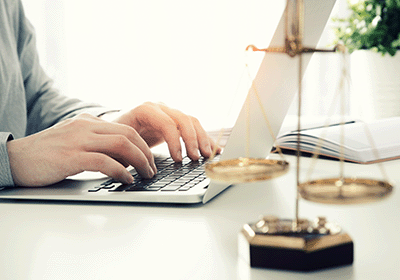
[[375, 89]]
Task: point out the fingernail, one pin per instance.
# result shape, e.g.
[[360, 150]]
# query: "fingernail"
[[196, 155], [179, 155], [209, 150], [150, 171], [128, 178], [153, 167]]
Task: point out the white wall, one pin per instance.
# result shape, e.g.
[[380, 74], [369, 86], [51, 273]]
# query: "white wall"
[[187, 54]]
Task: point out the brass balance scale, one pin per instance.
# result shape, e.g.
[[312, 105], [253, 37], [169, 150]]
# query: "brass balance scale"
[[298, 244]]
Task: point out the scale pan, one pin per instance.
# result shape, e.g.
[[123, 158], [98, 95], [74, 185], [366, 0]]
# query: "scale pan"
[[344, 191], [243, 170]]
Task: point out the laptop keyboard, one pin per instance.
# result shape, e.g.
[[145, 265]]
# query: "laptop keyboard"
[[171, 176]]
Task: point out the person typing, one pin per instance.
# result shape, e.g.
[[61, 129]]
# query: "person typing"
[[46, 137]]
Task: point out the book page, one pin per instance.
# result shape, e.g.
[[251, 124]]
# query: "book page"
[[385, 134]]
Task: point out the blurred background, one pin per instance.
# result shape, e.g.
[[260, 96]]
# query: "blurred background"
[[187, 54]]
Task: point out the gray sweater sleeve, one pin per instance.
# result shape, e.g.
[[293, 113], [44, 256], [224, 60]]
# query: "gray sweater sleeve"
[[28, 101], [45, 105], [5, 171]]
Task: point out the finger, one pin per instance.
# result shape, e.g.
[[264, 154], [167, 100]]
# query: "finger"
[[106, 165], [163, 123], [172, 137], [131, 134], [122, 161], [215, 146], [189, 135], [205, 142], [120, 147], [187, 131]]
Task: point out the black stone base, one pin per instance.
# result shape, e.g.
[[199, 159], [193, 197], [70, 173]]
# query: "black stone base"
[[299, 260]]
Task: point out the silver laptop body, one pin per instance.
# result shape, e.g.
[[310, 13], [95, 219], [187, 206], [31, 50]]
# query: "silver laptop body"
[[276, 83]]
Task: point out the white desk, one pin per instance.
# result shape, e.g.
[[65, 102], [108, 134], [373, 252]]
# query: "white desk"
[[103, 241]]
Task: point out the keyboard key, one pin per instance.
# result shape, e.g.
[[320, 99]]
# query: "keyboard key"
[[121, 188], [171, 187], [166, 180], [133, 172], [106, 183], [177, 166], [191, 184], [189, 177], [154, 188], [177, 174], [180, 182], [140, 189], [171, 176], [158, 185]]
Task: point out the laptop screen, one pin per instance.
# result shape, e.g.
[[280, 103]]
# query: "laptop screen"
[[276, 83]]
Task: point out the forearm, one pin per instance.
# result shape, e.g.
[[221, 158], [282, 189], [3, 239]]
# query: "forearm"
[[52, 107]]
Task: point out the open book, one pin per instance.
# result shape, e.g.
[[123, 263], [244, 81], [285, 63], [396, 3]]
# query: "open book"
[[359, 140], [384, 134]]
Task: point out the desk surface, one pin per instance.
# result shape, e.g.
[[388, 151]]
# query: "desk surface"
[[122, 241]]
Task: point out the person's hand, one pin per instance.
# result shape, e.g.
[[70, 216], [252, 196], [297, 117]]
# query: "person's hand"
[[83, 143], [157, 123]]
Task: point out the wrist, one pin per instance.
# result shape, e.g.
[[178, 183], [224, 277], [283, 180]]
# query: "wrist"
[[110, 115]]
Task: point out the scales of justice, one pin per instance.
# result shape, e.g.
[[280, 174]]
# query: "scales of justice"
[[298, 244]]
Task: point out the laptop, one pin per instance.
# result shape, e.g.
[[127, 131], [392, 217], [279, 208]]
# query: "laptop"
[[276, 83]]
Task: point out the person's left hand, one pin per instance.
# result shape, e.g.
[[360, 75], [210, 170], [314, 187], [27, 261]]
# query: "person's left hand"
[[157, 123]]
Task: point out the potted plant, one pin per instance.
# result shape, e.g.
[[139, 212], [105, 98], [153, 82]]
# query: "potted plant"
[[371, 32]]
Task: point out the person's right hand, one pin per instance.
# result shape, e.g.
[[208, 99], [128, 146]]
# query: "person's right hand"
[[83, 143]]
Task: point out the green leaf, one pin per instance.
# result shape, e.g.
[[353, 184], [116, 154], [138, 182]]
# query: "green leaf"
[[356, 30]]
